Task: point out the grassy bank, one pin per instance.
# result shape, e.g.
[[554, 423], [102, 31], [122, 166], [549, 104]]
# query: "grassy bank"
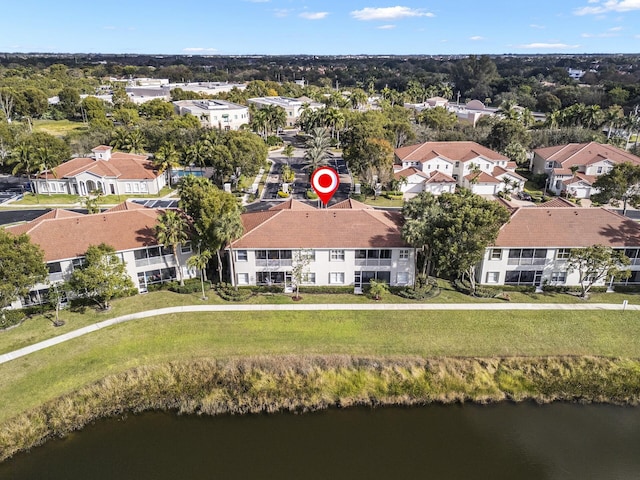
[[37, 378], [304, 383]]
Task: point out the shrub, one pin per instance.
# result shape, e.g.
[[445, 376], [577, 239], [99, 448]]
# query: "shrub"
[[273, 141], [423, 289], [311, 195], [326, 290], [229, 293], [9, 318], [191, 285], [282, 194]]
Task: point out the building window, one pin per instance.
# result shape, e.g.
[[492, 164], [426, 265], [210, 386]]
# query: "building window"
[[336, 278], [523, 277], [54, 267], [127, 188], [337, 256], [559, 277], [185, 247], [563, 253], [402, 278], [77, 263], [403, 255], [241, 255], [457, 164], [496, 254], [243, 279], [493, 277], [527, 256], [599, 171], [309, 278]]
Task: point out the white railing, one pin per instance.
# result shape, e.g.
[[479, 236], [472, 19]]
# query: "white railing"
[[273, 263], [165, 259], [373, 262]]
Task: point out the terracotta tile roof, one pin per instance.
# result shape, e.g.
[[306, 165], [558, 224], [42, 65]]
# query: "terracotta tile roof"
[[451, 151], [101, 148], [352, 204], [568, 228], [581, 177], [557, 202], [322, 228], [69, 236], [482, 177], [499, 171], [292, 204], [439, 177], [124, 166], [409, 171], [126, 205], [562, 171], [585, 153]]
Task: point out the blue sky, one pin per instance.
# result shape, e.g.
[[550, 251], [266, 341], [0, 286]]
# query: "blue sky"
[[321, 27]]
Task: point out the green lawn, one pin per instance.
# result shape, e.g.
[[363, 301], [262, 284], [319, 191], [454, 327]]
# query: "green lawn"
[[31, 380], [58, 128], [72, 200]]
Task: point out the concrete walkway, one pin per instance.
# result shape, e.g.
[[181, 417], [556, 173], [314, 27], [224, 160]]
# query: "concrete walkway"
[[307, 307]]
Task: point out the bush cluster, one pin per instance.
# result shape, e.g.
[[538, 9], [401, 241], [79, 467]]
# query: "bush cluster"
[[9, 318], [229, 293], [190, 286], [424, 288]]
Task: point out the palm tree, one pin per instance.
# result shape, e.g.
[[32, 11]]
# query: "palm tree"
[[136, 141], [171, 230], [196, 154], [24, 159], [228, 229], [45, 163], [200, 261], [276, 117], [612, 116], [334, 119], [166, 158], [317, 153]]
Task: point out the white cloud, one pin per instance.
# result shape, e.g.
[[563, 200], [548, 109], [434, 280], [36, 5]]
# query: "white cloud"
[[538, 27], [608, 6], [475, 38], [282, 12], [198, 49], [386, 27], [314, 15], [540, 45], [616, 29], [389, 13]]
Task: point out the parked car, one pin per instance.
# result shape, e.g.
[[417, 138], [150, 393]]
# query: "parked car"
[[524, 196]]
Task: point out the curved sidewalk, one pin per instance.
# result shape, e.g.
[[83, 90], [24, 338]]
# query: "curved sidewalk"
[[302, 307]]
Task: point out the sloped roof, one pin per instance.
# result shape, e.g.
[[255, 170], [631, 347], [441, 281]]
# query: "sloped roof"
[[570, 227], [408, 172], [292, 204], [581, 177], [124, 166], [557, 202], [52, 214], [481, 177], [126, 205], [452, 151], [499, 171], [69, 236], [322, 228], [439, 177], [350, 203], [585, 153]]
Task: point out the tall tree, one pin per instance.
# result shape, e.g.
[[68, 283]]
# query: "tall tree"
[[229, 228], [621, 184], [21, 267], [596, 263], [200, 261], [102, 277], [172, 231], [166, 158]]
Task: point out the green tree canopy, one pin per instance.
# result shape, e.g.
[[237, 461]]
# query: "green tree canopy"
[[102, 277], [21, 266], [621, 184], [172, 231], [452, 230], [596, 263]]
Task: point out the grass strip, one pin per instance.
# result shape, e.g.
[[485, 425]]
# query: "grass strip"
[[306, 383]]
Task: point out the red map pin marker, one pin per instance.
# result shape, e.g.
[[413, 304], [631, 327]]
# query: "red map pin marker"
[[325, 182]]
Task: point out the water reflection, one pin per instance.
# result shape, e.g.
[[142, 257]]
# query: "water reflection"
[[526, 441]]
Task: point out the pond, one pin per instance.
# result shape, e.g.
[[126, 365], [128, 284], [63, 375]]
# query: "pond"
[[523, 441]]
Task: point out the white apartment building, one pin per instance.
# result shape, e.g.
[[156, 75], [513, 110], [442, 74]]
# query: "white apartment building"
[[348, 244], [65, 236], [447, 164], [534, 246], [215, 113]]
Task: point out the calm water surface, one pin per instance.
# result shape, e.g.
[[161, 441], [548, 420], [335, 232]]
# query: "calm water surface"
[[522, 442]]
